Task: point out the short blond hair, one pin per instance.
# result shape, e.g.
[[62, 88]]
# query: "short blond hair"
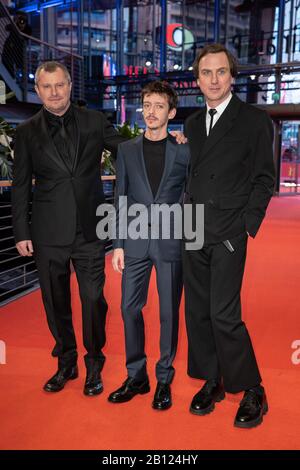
[[51, 66]]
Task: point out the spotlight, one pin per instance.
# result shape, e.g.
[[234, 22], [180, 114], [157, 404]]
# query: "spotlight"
[[176, 66], [148, 63]]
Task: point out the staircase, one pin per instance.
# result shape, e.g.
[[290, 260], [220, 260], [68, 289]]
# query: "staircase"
[[21, 54]]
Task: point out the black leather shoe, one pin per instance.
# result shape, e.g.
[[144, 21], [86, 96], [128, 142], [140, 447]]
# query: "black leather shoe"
[[162, 397], [59, 380], [129, 389], [204, 401], [93, 383], [252, 408]]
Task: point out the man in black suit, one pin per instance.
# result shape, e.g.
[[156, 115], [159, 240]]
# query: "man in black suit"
[[151, 171], [61, 146], [232, 174]]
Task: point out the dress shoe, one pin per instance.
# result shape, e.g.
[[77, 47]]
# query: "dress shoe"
[[162, 397], [55, 351], [93, 382], [204, 401], [129, 389], [59, 380], [252, 408]]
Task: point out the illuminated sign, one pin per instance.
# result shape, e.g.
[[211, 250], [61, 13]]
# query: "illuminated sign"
[[175, 33]]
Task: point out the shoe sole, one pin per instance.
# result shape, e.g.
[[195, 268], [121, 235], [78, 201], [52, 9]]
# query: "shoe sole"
[[254, 422], [92, 394], [111, 400], [210, 408], [49, 390], [158, 408]]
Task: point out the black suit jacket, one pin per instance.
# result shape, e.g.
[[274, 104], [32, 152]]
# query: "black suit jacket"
[[60, 193], [132, 181], [232, 170]]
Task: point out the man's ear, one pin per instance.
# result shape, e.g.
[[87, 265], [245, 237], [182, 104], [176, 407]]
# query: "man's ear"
[[172, 113]]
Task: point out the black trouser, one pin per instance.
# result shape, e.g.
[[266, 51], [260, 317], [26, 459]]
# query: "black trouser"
[[53, 264], [135, 283], [218, 341]]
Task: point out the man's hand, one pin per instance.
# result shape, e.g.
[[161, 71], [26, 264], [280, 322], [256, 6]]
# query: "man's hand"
[[118, 260], [179, 136], [25, 247]]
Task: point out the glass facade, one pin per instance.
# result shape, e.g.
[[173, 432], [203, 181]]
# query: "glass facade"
[[290, 158], [135, 38], [125, 43]]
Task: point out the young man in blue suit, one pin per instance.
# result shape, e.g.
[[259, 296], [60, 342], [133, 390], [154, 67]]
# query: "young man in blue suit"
[[151, 170]]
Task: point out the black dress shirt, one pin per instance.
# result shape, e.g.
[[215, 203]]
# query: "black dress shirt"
[[63, 131]]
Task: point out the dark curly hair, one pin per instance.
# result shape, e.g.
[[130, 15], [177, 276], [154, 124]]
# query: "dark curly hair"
[[162, 88]]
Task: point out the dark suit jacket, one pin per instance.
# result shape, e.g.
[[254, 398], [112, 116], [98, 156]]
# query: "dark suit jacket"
[[60, 193], [232, 170], [132, 181]]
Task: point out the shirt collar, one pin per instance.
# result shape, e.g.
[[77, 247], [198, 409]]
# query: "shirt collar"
[[54, 118], [221, 107]]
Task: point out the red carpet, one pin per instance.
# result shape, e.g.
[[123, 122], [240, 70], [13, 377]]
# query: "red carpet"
[[33, 419]]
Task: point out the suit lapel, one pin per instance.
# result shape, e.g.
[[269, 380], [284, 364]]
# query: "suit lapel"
[[81, 138], [220, 129], [171, 150], [141, 164], [47, 143], [198, 137], [222, 126]]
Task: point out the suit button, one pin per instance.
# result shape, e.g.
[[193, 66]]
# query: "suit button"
[[212, 177], [149, 225], [195, 173]]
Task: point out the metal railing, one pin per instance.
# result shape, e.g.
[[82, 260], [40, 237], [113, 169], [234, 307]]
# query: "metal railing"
[[18, 275], [21, 54]]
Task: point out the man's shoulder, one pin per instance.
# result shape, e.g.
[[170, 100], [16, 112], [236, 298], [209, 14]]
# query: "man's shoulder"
[[87, 113], [25, 126], [252, 111], [183, 148], [127, 145], [194, 117]]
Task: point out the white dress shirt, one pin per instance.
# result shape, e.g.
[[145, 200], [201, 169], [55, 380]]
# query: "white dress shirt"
[[220, 109]]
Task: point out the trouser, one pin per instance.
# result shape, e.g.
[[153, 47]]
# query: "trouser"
[[135, 283], [53, 264], [219, 345]]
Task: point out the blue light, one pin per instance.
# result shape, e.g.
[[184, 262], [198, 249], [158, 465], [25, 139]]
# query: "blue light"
[[31, 76], [38, 5]]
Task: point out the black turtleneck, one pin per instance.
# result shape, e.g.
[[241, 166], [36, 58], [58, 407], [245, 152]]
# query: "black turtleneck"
[[154, 156], [63, 131]]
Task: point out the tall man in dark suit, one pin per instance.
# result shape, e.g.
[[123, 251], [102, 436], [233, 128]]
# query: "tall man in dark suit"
[[151, 171], [61, 146], [232, 174]]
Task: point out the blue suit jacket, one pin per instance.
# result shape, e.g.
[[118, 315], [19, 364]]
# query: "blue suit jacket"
[[132, 181]]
